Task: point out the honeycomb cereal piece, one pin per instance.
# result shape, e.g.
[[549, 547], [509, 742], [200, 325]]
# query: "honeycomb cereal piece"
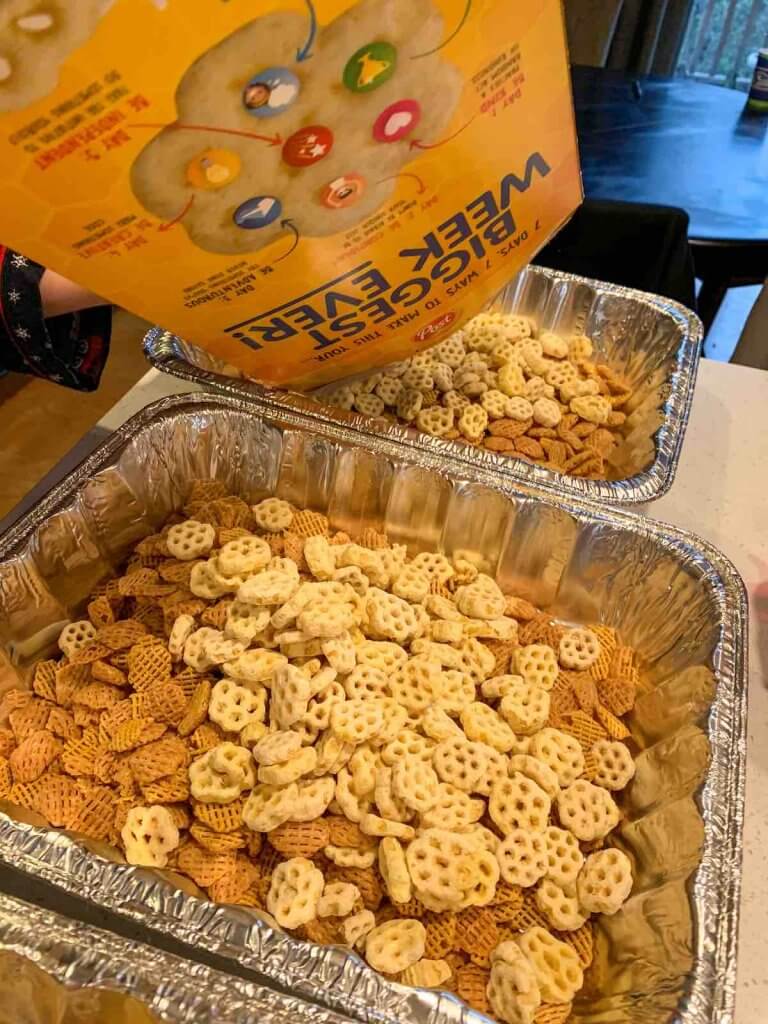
[[149, 836], [349, 857], [537, 387], [522, 857], [390, 617], [221, 774], [560, 906], [409, 403], [525, 706], [362, 766], [243, 555], [417, 684], [426, 973], [338, 899], [352, 805], [394, 870], [579, 649], [511, 380], [586, 810], [537, 770], [546, 412], [290, 696], [355, 721], [437, 420], [592, 408], [442, 631], [273, 515], [580, 347], [244, 622], [190, 540], [294, 892], [341, 653], [357, 927], [269, 806], [301, 763], [313, 799], [556, 966], [518, 803], [513, 989], [438, 724], [415, 783], [33, 755], [537, 664], [369, 404], [451, 351], [560, 752], [457, 692], [366, 681], [319, 556], [484, 725], [495, 403], [460, 762], [605, 881], [564, 856], [319, 708], [234, 707], [615, 766], [480, 600], [332, 754], [182, 629], [553, 345], [269, 587], [411, 584], [472, 422], [196, 650], [476, 660], [75, 636], [388, 389], [435, 565], [276, 747], [395, 945]]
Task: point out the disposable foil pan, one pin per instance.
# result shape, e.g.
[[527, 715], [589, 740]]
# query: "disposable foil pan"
[[656, 342], [54, 969], [670, 953]]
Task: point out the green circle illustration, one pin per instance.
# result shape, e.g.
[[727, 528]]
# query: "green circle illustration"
[[370, 66]]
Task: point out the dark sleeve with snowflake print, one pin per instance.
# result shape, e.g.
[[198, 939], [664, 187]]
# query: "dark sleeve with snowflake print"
[[70, 349]]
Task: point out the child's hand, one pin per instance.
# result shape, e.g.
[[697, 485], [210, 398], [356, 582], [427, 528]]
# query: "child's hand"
[[59, 295]]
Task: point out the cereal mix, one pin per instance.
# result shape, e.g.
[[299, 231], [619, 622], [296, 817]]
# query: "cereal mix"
[[498, 385], [382, 752]]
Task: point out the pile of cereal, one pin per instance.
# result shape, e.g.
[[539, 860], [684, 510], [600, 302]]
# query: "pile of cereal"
[[496, 385], [381, 751]]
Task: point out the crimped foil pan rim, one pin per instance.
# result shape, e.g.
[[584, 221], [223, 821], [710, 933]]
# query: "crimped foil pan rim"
[[83, 956], [164, 350], [238, 935]]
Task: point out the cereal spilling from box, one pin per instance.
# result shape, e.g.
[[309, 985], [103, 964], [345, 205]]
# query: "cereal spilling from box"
[[378, 751], [307, 190]]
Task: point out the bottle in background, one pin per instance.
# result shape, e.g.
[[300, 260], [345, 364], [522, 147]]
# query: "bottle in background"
[[758, 94]]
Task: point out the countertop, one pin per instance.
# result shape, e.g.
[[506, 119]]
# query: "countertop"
[[721, 494]]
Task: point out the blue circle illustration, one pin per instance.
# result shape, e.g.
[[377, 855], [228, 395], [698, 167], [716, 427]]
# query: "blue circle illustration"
[[258, 212], [271, 92]]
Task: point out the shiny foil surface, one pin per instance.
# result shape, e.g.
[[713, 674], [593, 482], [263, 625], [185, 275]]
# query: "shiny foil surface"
[[654, 341], [55, 970], [670, 953]]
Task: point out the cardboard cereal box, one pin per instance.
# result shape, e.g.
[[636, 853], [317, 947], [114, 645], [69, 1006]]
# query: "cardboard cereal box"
[[306, 188]]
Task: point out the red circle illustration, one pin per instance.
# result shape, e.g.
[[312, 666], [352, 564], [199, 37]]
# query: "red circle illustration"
[[308, 145], [396, 121]]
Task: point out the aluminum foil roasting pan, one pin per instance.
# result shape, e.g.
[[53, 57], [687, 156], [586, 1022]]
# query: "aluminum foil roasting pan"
[[656, 342], [670, 954], [54, 969]]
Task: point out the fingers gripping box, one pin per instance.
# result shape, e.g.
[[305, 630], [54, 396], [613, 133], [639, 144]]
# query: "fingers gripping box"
[[306, 188]]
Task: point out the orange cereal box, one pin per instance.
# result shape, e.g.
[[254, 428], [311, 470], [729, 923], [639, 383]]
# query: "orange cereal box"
[[306, 188]]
